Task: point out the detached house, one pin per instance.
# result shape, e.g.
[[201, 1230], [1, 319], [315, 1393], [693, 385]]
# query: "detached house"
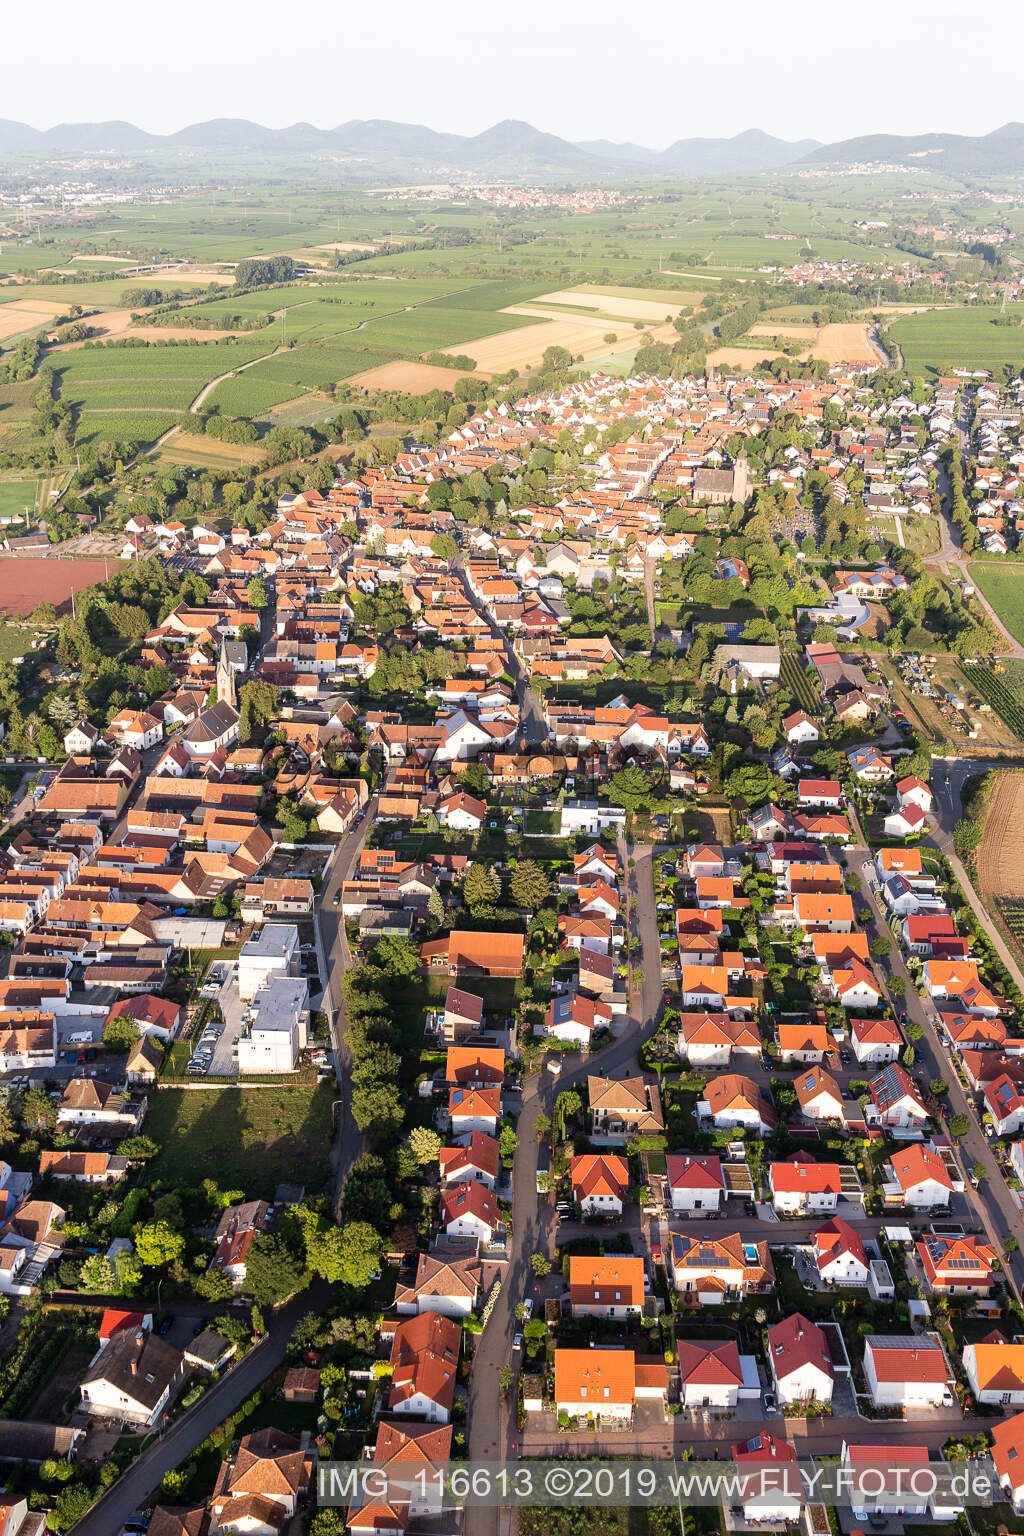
[[694, 1183], [600, 1184], [907, 1371], [606, 1287], [133, 1378], [733, 1100], [800, 1362], [804, 1188], [896, 1098], [623, 1108], [839, 1254], [956, 1266], [424, 1366], [712, 1374], [707, 1271], [920, 1178]]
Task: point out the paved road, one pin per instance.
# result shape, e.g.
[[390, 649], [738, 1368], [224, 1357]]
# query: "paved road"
[[136, 1486], [820, 1437], [533, 724], [951, 554], [491, 1413]]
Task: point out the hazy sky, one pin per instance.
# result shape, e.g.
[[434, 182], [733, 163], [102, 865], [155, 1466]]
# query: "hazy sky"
[[650, 72]]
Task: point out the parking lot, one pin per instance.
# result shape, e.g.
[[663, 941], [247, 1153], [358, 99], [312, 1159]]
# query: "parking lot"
[[214, 1052]]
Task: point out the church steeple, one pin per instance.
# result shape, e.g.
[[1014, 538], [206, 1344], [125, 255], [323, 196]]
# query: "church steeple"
[[225, 678]]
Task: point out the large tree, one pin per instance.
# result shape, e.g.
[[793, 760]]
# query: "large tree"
[[530, 886], [157, 1243], [273, 1270], [480, 887]]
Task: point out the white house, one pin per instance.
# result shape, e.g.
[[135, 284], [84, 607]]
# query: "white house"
[[462, 812], [1005, 1103], [133, 1378], [711, 1373], [995, 1370], [694, 1183], [839, 1254], [801, 1365], [274, 950], [875, 1041], [469, 1209], [920, 1177], [913, 791], [907, 1371], [804, 1188], [81, 739], [276, 1032], [600, 1184]]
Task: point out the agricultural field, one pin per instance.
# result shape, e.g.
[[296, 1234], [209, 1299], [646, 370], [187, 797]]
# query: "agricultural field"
[[247, 395], [25, 583], [1003, 586], [934, 340], [134, 394], [1000, 859], [1004, 691], [207, 452], [125, 426], [414, 378], [794, 676]]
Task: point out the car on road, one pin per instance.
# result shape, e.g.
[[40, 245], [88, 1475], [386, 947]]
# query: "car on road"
[[528, 1308], [517, 1342], [656, 1252], [166, 1324]]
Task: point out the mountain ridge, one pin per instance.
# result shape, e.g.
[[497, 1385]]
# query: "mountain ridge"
[[518, 149]]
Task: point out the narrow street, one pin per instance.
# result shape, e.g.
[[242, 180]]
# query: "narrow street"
[[533, 724], [136, 1486], [492, 1425]]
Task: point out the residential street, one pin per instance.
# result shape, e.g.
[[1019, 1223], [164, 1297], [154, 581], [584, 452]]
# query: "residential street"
[[491, 1412], [137, 1485], [531, 712]]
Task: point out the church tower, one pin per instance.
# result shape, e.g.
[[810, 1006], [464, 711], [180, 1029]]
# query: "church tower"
[[741, 480], [225, 678]]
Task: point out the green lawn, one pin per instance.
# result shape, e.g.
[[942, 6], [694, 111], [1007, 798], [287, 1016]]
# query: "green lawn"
[[17, 495], [1003, 585], [252, 1139]]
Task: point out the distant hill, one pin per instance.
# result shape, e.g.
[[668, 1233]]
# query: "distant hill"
[[517, 149], [999, 153], [750, 151]]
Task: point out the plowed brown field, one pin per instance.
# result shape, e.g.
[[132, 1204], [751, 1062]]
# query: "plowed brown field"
[[24, 583], [1001, 855]]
